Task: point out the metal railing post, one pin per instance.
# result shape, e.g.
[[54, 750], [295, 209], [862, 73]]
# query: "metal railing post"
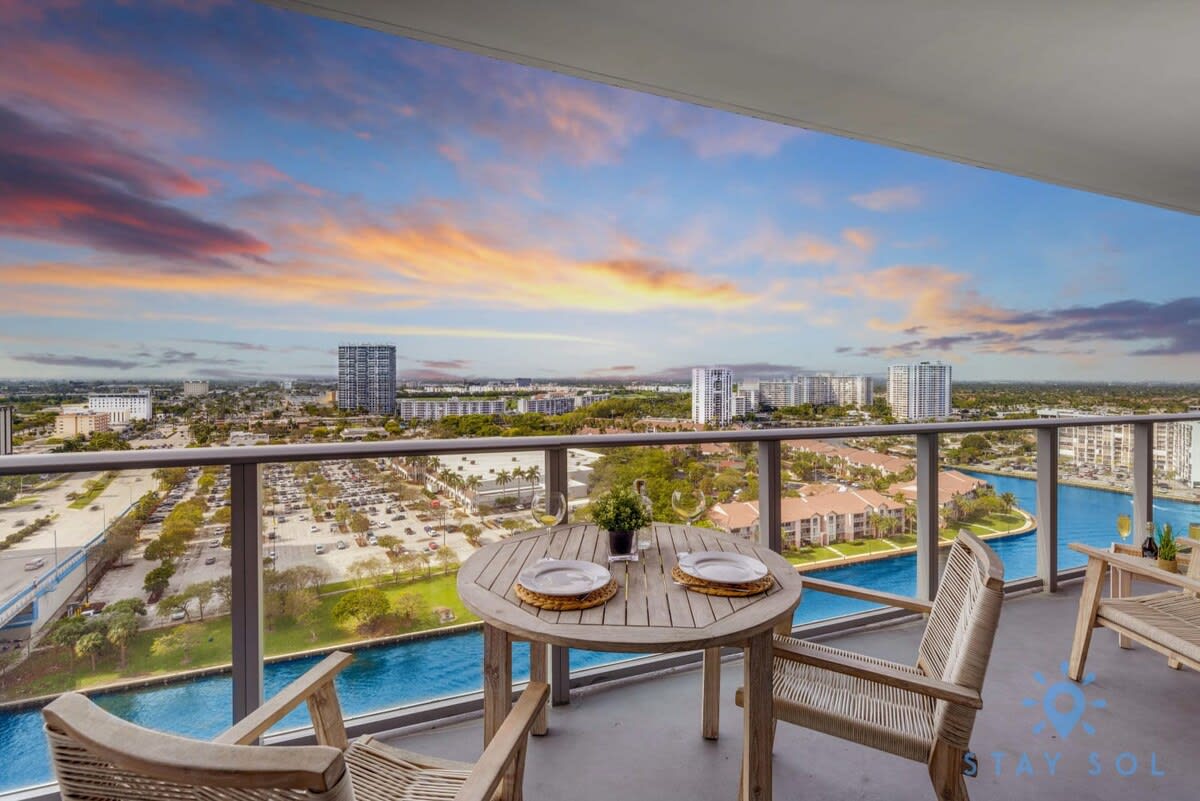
[[245, 486], [928, 518], [1047, 508], [558, 480], [770, 495], [1143, 478]]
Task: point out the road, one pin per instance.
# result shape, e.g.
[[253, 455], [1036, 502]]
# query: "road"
[[71, 529]]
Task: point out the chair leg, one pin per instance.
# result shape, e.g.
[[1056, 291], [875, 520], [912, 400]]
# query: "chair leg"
[[946, 773], [1085, 621]]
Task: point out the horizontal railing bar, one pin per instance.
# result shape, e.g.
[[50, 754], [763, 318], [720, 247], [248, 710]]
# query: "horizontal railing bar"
[[267, 454]]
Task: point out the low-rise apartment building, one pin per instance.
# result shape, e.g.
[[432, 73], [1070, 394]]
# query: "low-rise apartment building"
[[830, 514], [437, 408], [558, 403], [71, 424]]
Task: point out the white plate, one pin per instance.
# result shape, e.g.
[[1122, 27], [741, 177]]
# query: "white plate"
[[564, 577], [722, 567]]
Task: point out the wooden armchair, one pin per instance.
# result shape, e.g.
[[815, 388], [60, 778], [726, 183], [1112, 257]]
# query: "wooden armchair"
[[1167, 622], [99, 757], [924, 712]]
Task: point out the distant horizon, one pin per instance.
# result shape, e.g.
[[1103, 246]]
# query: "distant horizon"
[[220, 190]]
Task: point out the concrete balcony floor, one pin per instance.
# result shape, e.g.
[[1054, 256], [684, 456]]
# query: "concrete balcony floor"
[[641, 739]]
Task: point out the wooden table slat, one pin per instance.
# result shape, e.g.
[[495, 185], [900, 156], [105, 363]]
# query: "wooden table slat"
[[658, 581]]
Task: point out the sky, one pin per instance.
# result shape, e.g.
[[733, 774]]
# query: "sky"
[[221, 189]]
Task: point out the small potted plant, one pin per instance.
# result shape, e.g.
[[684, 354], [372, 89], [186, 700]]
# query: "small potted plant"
[[621, 513], [1167, 552]]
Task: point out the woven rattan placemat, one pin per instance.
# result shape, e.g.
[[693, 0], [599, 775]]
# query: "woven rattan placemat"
[[726, 590], [567, 603]]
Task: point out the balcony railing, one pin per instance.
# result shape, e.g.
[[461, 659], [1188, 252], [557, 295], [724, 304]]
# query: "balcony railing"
[[245, 464]]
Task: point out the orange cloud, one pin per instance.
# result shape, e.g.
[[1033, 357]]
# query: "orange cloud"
[[770, 245], [440, 260], [895, 198]]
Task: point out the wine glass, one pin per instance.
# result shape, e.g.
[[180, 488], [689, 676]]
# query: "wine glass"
[[688, 504], [548, 509], [646, 533], [1124, 527]]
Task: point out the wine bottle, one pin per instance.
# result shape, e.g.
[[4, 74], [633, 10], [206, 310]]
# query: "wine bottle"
[[1149, 546]]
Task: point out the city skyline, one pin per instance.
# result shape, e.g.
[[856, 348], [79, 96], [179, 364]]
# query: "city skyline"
[[179, 204]]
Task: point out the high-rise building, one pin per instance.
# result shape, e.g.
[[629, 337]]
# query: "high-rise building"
[[194, 389], [1175, 448], [919, 391], [817, 390], [712, 395], [124, 406], [6, 430], [745, 402], [367, 378]]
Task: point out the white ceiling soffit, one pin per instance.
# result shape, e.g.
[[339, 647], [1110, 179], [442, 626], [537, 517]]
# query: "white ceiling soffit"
[[1102, 95]]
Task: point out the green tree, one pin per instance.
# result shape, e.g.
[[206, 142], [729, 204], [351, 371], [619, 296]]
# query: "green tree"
[[171, 604], [361, 608], [446, 560], [158, 579], [359, 523], [121, 629], [203, 592], [411, 608], [90, 645], [67, 631]]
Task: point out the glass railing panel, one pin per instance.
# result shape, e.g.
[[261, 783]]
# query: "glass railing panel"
[[362, 555], [112, 583]]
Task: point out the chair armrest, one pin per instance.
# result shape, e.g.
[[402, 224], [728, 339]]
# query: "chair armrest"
[[251, 727], [885, 598], [512, 736], [1137, 566], [850, 665], [171, 758]]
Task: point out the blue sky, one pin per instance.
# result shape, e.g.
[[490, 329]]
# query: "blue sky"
[[228, 190]]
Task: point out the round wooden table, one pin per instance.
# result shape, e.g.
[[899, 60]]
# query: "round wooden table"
[[650, 613]]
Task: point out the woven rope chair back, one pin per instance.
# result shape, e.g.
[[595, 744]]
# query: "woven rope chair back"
[[101, 769], [957, 643]]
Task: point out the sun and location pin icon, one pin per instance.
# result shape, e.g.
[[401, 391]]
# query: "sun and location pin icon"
[[1064, 721]]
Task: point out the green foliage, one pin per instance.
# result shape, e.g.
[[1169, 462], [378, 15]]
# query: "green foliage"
[[25, 531], [362, 608], [158, 579], [90, 645], [170, 477], [620, 509], [411, 608], [359, 523], [1167, 549]]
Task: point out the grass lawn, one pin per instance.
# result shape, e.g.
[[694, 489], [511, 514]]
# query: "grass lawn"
[[95, 487], [808, 555], [852, 548], [999, 522], [28, 500], [53, 670]]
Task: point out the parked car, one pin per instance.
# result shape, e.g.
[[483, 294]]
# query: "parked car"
[[178, 614], [319, 548], [433, 546], [341, 545], [211, 560], [214, 543]]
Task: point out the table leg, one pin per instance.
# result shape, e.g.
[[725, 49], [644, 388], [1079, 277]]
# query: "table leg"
[[538, 668], [758, 719], [710, 724], [497, 697]]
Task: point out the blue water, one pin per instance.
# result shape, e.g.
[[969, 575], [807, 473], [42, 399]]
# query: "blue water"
[[438, 667]]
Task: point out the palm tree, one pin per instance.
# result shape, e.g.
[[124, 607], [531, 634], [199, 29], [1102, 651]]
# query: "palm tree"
[[1009, 500], [534, 474], [503, 479], [471, 484]]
